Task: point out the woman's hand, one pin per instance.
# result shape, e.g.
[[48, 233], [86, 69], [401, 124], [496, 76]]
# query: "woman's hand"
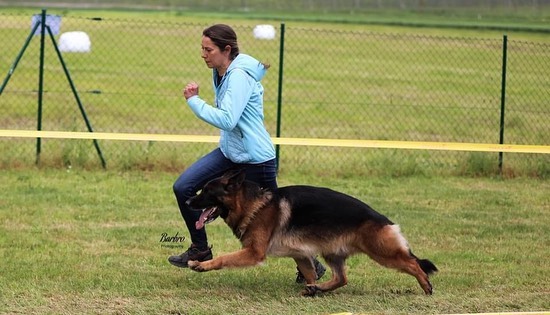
[[191, 89]]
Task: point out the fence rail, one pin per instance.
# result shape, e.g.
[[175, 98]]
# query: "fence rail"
[[324, 82]]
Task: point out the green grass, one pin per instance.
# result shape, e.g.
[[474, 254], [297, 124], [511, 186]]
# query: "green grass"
[[75, 241]]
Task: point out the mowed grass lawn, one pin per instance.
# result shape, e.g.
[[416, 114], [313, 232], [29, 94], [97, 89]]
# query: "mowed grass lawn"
[[89, 242]]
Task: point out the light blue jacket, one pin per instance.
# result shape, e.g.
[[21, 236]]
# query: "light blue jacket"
[[239, 112]]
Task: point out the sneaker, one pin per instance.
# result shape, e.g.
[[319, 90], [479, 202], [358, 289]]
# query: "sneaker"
[[193, 253], [319, 269]]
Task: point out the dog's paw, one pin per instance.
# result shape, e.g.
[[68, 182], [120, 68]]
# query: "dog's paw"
[[195, 265], [310, 290]]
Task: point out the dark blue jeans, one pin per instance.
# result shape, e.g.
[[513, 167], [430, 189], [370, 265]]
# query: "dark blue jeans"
[[211, 166]]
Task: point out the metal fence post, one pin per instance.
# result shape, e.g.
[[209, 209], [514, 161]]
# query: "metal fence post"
[[40, 82], [502, 98], [77, 98], [280, 89], [18, 58]]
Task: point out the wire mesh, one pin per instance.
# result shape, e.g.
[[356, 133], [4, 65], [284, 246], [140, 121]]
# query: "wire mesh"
[[336, 83]]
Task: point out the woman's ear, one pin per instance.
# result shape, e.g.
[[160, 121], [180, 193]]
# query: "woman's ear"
[[227, 49]]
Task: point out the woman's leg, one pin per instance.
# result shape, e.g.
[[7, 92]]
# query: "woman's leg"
[[264, 174], [210, 166]]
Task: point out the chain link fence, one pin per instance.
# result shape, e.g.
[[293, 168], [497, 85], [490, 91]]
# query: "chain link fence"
[[324, 82]]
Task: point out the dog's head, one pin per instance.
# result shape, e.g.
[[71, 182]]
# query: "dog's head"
[[215, 195]]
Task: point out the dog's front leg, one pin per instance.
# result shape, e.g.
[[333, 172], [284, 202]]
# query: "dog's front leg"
[[245, 257]]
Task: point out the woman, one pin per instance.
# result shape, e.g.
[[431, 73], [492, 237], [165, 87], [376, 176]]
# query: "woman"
[[244, 141]]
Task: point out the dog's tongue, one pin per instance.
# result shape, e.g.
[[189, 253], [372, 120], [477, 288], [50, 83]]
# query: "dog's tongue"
[[204, 216]]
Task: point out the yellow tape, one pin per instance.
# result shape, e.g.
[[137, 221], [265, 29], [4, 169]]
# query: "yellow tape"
[[416, 145]]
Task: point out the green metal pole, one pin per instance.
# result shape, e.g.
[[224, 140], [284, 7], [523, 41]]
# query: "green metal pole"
[[18, 58], [75, 93], [280, 89], [40, 82], [502, 99]]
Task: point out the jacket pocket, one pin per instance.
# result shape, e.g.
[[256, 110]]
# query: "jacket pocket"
[[236, 147]]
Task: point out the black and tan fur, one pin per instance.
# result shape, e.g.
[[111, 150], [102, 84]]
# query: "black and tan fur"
[[301, 222]]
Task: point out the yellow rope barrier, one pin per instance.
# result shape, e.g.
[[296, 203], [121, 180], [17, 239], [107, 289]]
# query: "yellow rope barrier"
[[416, 145]]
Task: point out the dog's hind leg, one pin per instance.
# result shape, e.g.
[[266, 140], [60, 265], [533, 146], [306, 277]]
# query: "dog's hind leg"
[[390, 249], [339, 278], [409, 264], [306, 267]]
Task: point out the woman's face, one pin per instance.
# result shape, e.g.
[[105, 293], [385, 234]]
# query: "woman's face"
[[213, 56]]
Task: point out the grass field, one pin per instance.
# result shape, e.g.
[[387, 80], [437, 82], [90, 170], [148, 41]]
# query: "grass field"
[[78, 242]]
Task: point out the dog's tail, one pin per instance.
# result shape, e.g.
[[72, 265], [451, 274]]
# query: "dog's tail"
[[427, 266]]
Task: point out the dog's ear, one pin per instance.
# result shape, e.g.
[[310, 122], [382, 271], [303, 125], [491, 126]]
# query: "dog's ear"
[[234, 179]]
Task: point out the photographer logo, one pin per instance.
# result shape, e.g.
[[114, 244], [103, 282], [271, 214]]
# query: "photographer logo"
[[171, 241]]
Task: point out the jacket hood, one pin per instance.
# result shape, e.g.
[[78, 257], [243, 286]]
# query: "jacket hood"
[[250, 65]]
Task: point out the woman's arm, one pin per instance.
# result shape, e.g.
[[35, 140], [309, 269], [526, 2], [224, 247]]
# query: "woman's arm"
[[231, 104]]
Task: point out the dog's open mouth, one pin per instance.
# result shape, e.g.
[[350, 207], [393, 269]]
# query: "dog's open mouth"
[[208, 215]]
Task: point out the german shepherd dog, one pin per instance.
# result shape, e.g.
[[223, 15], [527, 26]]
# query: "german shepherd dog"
[[301, 222]]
